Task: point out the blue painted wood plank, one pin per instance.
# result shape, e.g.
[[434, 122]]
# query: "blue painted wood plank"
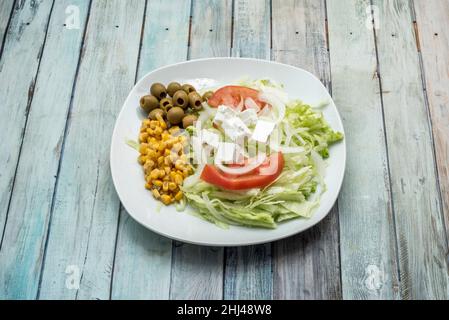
[[6, 9], [82, 235], [29, 212], [143, 259], [197, 272], [367, 239], [248, 269], [306, 266], [18, 68]]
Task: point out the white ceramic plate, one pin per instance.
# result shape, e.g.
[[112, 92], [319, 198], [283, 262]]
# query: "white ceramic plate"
[[128, 176]]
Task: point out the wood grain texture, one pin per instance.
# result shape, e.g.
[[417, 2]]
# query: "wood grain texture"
[[143, 259], [85, 215], [433, 26], [29, 212], [197, 272], [248, 273], [419, 225], [367, 242], [6, 7], [306, 266], [18, 69]]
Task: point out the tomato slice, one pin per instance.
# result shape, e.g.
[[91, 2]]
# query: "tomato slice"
[[263, 176], [232, 95]]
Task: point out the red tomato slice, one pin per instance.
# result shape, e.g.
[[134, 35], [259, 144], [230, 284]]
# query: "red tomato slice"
[[263, 176], [232, 95]]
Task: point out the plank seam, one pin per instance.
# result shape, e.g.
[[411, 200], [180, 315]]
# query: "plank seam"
[[7, 29], [29, 102], [142, 31], [62, 149], [430, 124], [340, 293], [390, 192]]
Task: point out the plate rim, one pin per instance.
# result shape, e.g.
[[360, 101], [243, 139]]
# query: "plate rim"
[[223, 244]]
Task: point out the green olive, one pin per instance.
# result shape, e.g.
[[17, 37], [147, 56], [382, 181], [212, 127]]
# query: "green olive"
[[208, 95], [195, 100], [153, 114], [180, 99], [188, 120], [166, 107], [149, 103], [158, 90], [166, 101], [172, 88], [188, 88], [175, 115]]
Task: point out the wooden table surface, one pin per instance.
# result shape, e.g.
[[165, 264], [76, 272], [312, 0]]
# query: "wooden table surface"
[[66, 67]]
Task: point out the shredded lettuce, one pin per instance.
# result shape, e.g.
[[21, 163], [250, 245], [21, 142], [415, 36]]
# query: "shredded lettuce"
[[296, 192]]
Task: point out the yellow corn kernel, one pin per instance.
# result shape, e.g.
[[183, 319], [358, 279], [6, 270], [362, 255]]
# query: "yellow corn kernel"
[[173, 175], [154, 174], [142, 159], [165, 136], [148, 166], [178, 179], [155, 146], [179, 196], [160, 160], [166, 199], [172, 186], [146, 122], [173, 157], [163, 124], [156, 193], [158, 131], [180, 165], [143, 137], [143, 149], [150, 132], [166, 178], [157, 183], [167, 161], [166, 152], [183, 157], [165, 186], [185, 173], [152, 154], [161, 146], [182, 139], [177, 147], [167, 170], [148, 186]]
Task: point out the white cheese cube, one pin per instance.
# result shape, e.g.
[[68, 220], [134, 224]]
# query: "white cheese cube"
[[263, 130], [225, 152], [249, 116], [210, 138], [235, 128], [223, 113]]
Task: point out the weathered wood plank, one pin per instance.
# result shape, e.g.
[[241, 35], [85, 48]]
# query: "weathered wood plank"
[[368, 258], [420, 231], [248, 269], [197, 272], [85, 215], [29, 212], [18, 69], [433, 25], [306, 266], [6, 7], [143, 258]]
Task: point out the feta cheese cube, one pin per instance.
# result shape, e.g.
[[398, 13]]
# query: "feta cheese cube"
[[263, 130], [210, 138], [249, 116], [223, 113], [234, 128], [225, 152]]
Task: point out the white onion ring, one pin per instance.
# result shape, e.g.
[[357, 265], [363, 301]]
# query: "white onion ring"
[[243, 170], [251, 104]]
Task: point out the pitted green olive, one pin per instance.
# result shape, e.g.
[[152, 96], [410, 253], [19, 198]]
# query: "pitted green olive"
[[181, 99], [195, 100], [172, 88], [188, 120], [158, 90], [155, 112], [188, 88], [149, 103], [175, 115], [207, 95]]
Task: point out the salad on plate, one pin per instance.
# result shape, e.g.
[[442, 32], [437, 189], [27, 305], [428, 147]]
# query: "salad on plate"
[[243, 154]]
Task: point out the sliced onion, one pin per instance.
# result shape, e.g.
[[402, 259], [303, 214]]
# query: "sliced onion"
[[285, 149], [245, 169], [275, 103], [240, 105], [251, 104]]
